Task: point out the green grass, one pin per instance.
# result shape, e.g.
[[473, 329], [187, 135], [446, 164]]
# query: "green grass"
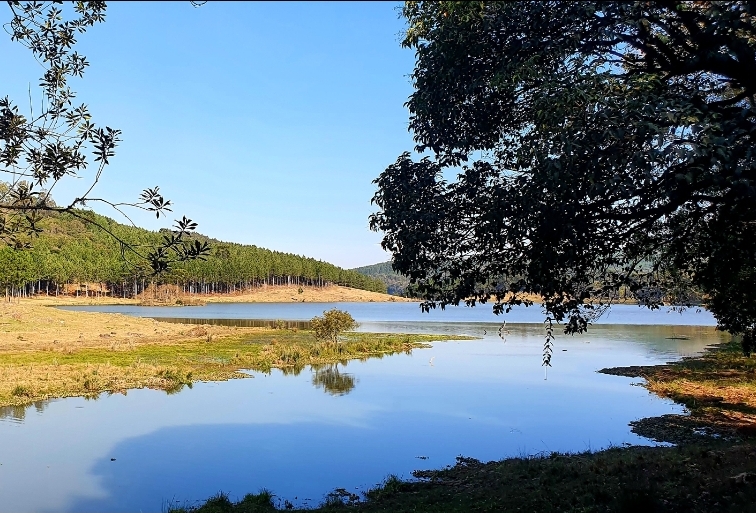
[[262, 351], [27, 376], [261, 502]]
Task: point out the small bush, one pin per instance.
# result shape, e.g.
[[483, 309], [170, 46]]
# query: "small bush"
[[290, 355], [261, 502], [333, 323], [390, 486], [340, 498], [21, 391], [217, 504], [220, 503]]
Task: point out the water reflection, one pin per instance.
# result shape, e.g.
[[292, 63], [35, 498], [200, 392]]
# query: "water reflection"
[[294, 370], [400, 312], [245, 323], [330, 379], [17, 413]]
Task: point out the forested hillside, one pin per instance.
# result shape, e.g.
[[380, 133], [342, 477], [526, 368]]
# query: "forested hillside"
[[396, 283], [71, 255]]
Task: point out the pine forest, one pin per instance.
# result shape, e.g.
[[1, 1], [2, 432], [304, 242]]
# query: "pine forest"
[[71, 256]]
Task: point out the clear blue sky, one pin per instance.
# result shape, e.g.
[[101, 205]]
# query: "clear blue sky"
[[264, 122]]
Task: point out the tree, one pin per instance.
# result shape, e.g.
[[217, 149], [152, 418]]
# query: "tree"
[[333, 323], [601, 147], [60, 141]]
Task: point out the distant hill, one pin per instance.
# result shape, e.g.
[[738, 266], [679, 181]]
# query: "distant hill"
[[396, 283], [70, 252]]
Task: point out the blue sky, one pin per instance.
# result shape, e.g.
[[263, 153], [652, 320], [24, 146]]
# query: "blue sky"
[[264, 122]]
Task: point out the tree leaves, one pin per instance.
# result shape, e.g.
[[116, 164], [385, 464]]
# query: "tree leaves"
[[332, 324], [594, 141], [40, 150]]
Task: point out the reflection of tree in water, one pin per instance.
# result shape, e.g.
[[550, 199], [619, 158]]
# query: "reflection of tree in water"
[[292, 371], [18, 413], [329, 378]]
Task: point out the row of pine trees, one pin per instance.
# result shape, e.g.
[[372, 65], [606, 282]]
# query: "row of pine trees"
[[71, 255]]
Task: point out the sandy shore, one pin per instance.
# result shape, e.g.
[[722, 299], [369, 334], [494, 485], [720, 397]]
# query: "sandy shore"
[[31, 323], [283, 294]]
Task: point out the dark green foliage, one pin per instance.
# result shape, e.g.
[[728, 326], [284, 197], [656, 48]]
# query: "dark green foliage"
[[724, 259], [396, 284], [261, 502], [601, 147], [69, 251]]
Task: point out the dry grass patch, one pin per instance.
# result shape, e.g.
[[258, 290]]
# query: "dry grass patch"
[[20, 385], [47, 352], [702, 393], [286, 294], [33, 325]]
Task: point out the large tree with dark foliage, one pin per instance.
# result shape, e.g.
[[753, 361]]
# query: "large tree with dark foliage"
[[59, 140], [601, 147]]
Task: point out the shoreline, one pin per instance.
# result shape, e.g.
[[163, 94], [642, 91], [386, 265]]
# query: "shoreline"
[[264, 294], [51, 353], [717, 387], [48, 353], [710, 468]]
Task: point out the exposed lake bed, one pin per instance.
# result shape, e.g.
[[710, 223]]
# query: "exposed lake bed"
[[487, 398]]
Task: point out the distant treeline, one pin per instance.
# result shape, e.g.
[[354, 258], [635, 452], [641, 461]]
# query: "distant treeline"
[[71, 255], [396, 283]]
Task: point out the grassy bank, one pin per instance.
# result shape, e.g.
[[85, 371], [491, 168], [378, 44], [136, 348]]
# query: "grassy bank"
[[27, 376], [712, 469], [718, 388], [715, 478]]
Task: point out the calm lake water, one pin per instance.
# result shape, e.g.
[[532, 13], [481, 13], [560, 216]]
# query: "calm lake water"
[[399, 312], [488, 399]]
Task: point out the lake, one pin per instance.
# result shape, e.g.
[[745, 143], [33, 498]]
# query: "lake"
[[487, 398], [398, 313]]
